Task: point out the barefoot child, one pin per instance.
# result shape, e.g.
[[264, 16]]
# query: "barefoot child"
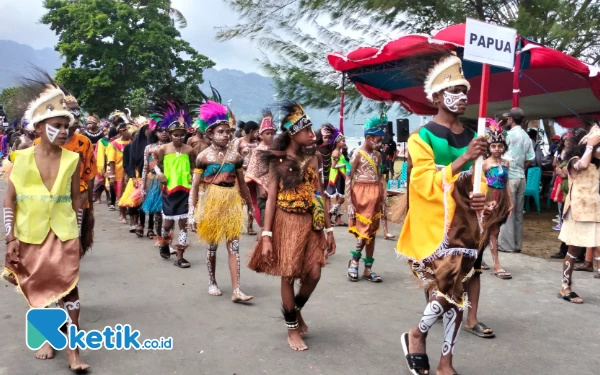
[[175, 160], [42, 216], [366, 197], [296, 231], [218, 213], [496, 174], [581, 225]]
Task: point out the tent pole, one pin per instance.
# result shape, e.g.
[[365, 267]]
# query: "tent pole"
[[516, 74], [342, 103]]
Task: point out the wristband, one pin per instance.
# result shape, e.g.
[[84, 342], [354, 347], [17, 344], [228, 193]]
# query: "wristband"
[[266, 234], [157, 169], [14, 239], [328, 230]]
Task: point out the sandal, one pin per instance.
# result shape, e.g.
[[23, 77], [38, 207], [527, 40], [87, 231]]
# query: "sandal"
[[182, 263], [389, 237], [151, 234], [503, 275], [352, 270], [251, 232], [417, 363], [570, 297], [373, 277], [597, 275], [164, 251], [585, 267], [484, 266], [478, 330], [132, 229], [139, 231]]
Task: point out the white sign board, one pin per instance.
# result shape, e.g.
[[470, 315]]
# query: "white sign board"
[[490, 44]]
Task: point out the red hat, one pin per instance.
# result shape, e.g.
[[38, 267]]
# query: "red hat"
[[556, 137]]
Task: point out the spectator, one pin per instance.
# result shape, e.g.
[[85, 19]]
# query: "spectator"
[[537, 148], [554, 144], [390, 150], [520, 154]]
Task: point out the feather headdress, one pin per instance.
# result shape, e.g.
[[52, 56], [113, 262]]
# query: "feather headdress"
[[494, 132], [376, 125], [294, 117], [213, 114], [118, 116], [171, 116]]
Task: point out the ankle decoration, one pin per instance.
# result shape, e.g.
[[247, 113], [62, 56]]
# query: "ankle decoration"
[[290, 318], [300, 301], [356, 255], [368, 262], [163, 241]]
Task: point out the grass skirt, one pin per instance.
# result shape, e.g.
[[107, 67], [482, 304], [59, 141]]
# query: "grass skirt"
[[132, 196], [153, 202], [220, 214], [297, 248]]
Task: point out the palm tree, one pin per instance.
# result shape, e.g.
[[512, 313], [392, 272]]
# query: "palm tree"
[[177, 18]]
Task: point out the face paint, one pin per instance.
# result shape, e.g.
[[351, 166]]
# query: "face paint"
[[451, 100], [51, 132], [221, 137], [376, 145]]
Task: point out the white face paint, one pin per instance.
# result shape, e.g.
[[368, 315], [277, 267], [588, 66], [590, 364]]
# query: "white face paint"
[[221, 137], [51, 132], [376, 145], [451, 100]]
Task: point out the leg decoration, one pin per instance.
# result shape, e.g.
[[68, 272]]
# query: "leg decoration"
[[238, 296], [290, 317], [353, 263], [567, 279], [72, 306], [300, 301], [432, 312], [163, 242], [451, 330], [211, 259], [370, 275]]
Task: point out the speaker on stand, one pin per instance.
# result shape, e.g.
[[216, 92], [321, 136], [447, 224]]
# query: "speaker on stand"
[[402, 130]]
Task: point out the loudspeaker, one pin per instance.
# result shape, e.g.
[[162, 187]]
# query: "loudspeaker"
[[402, 130]]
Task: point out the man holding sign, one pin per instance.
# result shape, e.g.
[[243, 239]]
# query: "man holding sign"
[[440, 237]]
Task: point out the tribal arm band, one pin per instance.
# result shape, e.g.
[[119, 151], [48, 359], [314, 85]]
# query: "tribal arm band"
[[79, 219], [9, 216]]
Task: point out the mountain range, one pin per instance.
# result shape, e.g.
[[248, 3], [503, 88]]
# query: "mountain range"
[[246, 93]]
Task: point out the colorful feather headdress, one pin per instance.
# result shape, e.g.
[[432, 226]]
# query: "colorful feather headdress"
[[294, 119], [213, 114], [200, 122], [116, 115], [376, 125], [336, 136], [171, 116], [494, 132]]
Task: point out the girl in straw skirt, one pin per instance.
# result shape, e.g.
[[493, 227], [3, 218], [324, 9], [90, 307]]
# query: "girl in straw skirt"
[[581, 225], [219, 208], [296, 230]]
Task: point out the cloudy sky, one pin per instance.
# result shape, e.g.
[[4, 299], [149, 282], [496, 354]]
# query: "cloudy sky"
[[20, 23]]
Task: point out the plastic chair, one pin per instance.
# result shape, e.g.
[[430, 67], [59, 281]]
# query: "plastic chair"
[[403, 176], [532, 187]]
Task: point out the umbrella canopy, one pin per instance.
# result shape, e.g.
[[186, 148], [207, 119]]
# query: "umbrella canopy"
[[552, 84]]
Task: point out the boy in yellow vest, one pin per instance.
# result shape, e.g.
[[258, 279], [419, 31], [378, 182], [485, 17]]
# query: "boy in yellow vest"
[[365, 198], [42, 216]]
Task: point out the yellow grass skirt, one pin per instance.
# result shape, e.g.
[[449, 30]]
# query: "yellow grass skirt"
[[220, 214], [131, 196]]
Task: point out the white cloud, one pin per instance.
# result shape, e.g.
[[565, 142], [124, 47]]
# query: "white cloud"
[[20, 23]]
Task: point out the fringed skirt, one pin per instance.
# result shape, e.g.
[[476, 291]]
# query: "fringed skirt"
[[367, 199], [46, 272], [132, 196], [153, 202], [297, 248], [175, 205], [220, 214]]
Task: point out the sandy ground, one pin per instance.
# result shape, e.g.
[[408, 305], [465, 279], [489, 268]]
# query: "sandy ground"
[[354, 327]]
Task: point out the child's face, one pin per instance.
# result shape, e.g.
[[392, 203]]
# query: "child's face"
[[177, 137], [497, 149], [220, 135], [53, 130], [305, 137]]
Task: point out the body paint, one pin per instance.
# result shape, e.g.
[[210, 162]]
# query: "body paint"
[[451, 100], [51, 132]]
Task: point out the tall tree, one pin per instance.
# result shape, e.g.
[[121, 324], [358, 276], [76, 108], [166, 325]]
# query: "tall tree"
[[9, 98], [113, 48], [300, 33]]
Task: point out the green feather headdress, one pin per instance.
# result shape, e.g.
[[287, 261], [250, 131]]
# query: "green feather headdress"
[[376, 125]]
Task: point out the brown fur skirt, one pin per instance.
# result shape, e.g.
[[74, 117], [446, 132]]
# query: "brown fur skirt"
[[297, 248]]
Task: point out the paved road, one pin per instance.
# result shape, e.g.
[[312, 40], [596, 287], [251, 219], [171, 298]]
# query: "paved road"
[[354, 327]]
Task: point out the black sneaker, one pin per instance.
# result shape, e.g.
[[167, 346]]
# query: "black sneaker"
[[559, 255]]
